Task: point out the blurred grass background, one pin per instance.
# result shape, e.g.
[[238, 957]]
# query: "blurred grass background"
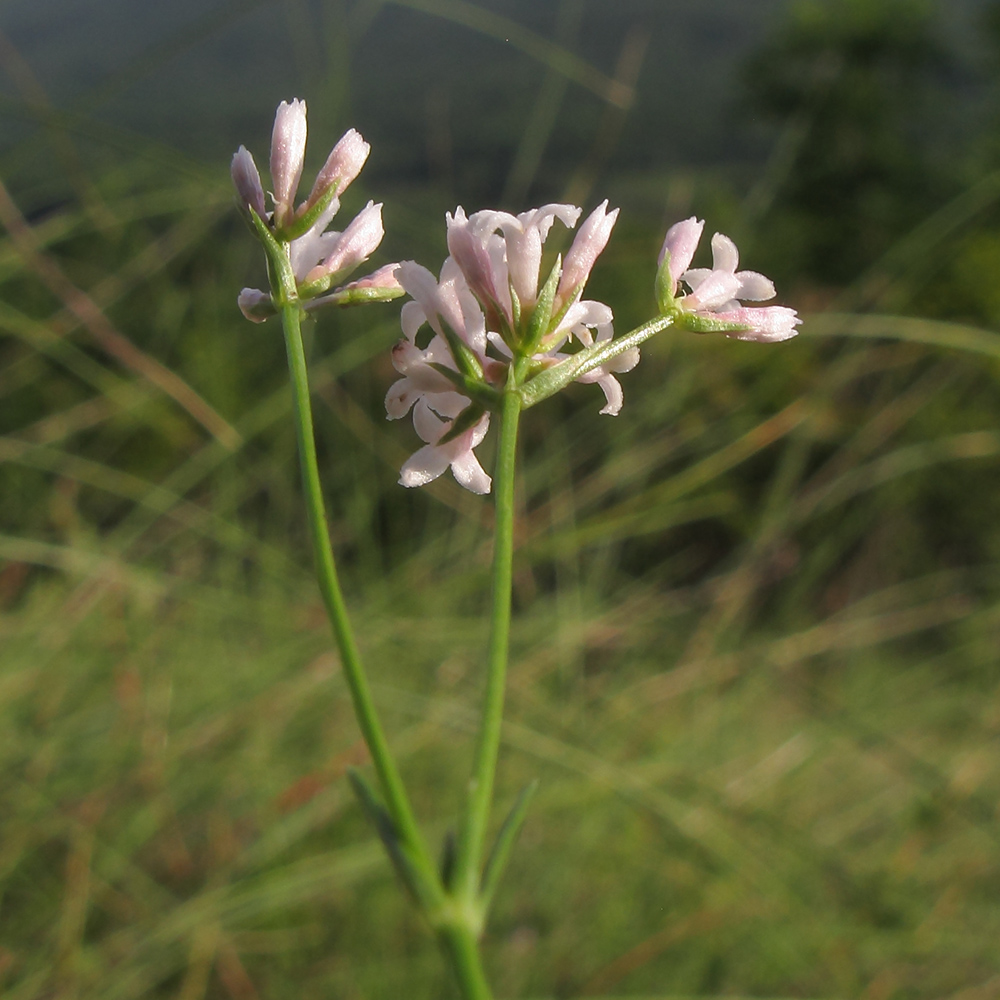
[[758, 615]]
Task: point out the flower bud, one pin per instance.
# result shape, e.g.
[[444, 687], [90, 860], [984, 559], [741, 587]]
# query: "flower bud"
[[246, 178], [590, 240], [288, 150], [342, 165], [255, 305]]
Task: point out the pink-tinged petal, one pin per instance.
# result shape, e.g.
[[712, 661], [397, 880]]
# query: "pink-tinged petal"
[[423, 467], [288, 150], [587, 246], [542, 218], [766, 325], [524, 237], [246, 178], [754, 287], [725, 256], [524, 257], [681, 242], [342, 166], [355, 245], [468, 244], [255, 305], [716, 289], [384, 277]]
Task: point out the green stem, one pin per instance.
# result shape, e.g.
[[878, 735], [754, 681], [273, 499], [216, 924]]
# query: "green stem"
[[333, 600], [461, 945], [468, 862]]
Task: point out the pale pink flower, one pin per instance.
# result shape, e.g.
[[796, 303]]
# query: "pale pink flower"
[[579, 320], [429, 462], [716, 291], [481, 256], [524, 236], [351, 248], [495, 264], [423, 389], [681, 243], [495, 260]]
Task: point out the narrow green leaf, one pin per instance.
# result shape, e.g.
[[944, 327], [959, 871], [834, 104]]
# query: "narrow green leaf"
[[350, 296], [482, 392], [551, 380], [465, 358], [419, 883], [468, 418], [447, 867], [307, 220], [277, 258], [541, 318], [664, 286], [504, 843]]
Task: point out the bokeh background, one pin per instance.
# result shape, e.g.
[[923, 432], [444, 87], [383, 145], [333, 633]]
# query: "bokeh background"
[[755, 660]]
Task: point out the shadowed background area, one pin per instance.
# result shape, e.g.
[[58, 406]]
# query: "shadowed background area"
[[757, 614]]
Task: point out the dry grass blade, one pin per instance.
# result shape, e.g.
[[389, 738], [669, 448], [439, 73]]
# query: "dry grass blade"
[[493, 25], [81, 305]]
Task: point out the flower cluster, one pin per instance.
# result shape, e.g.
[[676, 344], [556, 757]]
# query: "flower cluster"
[[319, 260], [712, 305], [487, 313]]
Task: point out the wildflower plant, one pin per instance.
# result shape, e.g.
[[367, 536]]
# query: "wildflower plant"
[[508, 329]]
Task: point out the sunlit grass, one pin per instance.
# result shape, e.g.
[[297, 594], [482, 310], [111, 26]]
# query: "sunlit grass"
[[754, 658]]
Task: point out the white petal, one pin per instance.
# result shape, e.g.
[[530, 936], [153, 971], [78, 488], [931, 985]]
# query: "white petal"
[[542, 218], [725, 256], [428, 425], [400, 398], [695, 276], [447, 404], [755, 287], [613, 394], [718, 288], [470, 474], [624, 362], [411, 319], [423, 466]]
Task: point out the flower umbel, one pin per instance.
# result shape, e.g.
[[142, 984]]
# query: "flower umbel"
[[713, 304], [319, 260], [490, 318]]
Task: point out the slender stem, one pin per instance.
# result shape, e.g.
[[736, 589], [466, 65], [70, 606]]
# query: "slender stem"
[[468, 863], [462, 949], [329, 585]]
